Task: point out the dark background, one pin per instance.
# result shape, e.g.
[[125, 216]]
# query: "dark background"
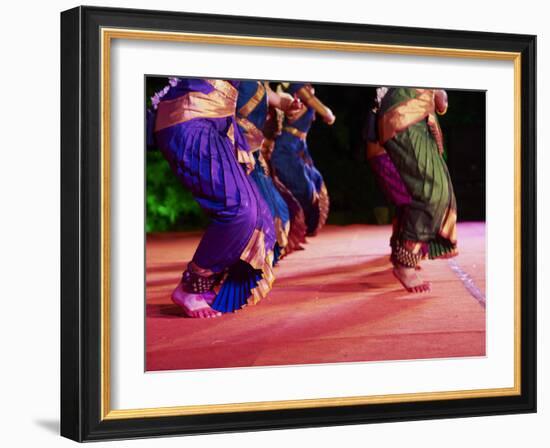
[[339, 154]]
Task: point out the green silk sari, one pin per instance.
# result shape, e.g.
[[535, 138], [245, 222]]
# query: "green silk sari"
[[410, 134]]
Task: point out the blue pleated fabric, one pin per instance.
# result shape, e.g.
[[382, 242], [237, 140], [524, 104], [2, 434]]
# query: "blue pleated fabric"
[[295, 168], [275, 202], [237, 287], [300, 177], [277, 254], [252, 107], [204, 161]]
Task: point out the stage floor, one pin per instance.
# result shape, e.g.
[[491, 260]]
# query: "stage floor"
[[336, 301]]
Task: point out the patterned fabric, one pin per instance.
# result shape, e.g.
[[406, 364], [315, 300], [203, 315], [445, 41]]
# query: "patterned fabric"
[[275, 202], [414, 173], [202, 154], [251, 116], [298, 228], [404, 257], [293, 165], [389, 180]]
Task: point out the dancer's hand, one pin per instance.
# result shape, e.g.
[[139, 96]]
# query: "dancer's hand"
[[306, 94], [329, 117], [291, 106], [441, 101]]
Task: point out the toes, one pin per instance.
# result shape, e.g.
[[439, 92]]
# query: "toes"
[[210, 313], [204, 313], [197, 314], [418, 289]]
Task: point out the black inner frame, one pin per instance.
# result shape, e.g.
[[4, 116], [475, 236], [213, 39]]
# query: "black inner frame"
[[81, 223]]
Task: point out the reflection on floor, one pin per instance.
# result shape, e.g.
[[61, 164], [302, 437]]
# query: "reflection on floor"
[[336, 301]]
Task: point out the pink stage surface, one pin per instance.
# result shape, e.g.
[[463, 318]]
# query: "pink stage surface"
[[336, 301]]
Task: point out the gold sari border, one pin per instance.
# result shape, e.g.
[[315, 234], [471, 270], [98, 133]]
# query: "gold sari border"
[[295, 132], [193, 105], [281, 232], [406, 114], [256, 255], [253, 135], [448, 228], [251, 104], [324, 206], [435, 130], [225, 88]]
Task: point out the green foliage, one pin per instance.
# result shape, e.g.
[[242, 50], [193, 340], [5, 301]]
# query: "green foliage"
[[169, 206]]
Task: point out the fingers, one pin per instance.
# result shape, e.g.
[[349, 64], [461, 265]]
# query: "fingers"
[[329, 118]]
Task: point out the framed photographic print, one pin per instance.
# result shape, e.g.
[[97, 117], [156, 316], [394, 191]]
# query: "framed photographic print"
[[276, 224]]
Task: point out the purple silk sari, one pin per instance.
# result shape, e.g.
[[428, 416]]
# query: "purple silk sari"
[[202, 150]]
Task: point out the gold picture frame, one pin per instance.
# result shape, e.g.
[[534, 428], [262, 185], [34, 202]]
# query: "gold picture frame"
[[103, 27]]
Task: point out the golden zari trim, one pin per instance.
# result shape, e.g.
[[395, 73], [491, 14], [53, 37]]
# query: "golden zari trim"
[[435, 130], [254, 252], [406, 114], [226, 88], [231, 133], [281, 232], [265, 285], [256, 256], [448, 228], [295, 132], [219, 103], [412, 246], [268, 145], [253, 135], [263, 164], [253, 101], [324, 206], [243, 156], [247, 159]]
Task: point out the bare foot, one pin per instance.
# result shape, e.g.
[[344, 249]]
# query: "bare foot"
[[410, 280], [195, 305], [209, 297]]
